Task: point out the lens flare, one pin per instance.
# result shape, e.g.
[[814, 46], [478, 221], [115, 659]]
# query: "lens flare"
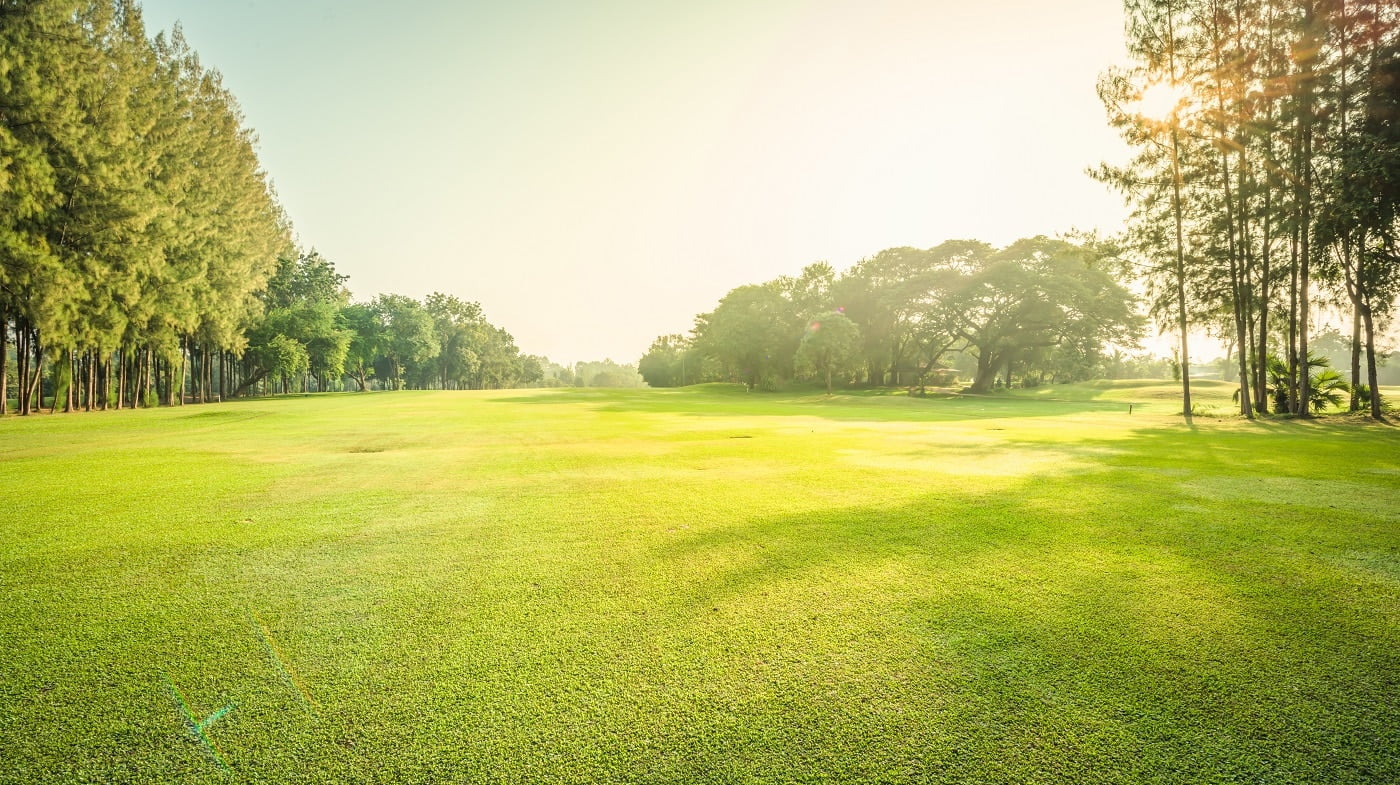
[[285, 668], [199, 728]]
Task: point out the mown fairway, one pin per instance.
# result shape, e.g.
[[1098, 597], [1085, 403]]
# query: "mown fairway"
[[698, 586]]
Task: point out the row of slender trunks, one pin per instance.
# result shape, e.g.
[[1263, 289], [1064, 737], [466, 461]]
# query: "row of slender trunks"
[[127, 377]]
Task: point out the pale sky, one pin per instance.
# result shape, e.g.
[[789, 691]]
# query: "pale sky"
[[595, 173]]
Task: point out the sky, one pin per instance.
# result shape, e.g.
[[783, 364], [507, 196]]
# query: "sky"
[[596, 173]]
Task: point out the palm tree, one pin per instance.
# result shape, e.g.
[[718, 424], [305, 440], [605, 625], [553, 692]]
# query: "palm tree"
[[1326, 387]]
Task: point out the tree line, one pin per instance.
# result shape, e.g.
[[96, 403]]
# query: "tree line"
[[1265, 182], [144, 257], [311, 337], [1039, 307]]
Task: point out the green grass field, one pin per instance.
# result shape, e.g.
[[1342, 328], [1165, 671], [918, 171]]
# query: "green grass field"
[[699, 586]]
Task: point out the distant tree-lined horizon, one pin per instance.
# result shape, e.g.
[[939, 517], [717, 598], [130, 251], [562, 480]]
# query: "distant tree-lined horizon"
[[145, 259]]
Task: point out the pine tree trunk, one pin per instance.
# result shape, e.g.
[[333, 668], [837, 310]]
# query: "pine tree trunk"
[[4, 362], [1293, 322], [21, 367], [54, 371], [1305, 193], [1237, 287], [72, 378], [143, 377], [94, 362], [184, 372], [121, 361], [185, 379], [1233, 220], [1304, 377], [1356, 359], [1371, 376], [1261, 357], [36, 385], [132, 365]]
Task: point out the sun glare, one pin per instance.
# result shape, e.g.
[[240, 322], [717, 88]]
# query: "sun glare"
[[1160, 99]]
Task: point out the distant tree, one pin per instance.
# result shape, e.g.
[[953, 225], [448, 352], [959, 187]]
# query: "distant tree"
[[554, 374], [897, 299], [304, 301], [606, 373], [810, 292], [499, 364], [285, 358], [1035, 294], [407, 335], [830, 346], [665, 363], [751, 334], [532, 370], [884, 296], [932, 319], [461, 331], [1333, 345], [366, 331]]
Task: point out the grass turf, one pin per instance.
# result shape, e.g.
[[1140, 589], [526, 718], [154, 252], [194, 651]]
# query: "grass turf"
[[699, 585]]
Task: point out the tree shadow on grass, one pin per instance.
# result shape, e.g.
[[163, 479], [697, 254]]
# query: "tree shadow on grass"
[[1024, 630], [727, 401]]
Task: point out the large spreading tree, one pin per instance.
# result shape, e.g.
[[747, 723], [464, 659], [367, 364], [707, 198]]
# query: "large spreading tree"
[[1034, 295]]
